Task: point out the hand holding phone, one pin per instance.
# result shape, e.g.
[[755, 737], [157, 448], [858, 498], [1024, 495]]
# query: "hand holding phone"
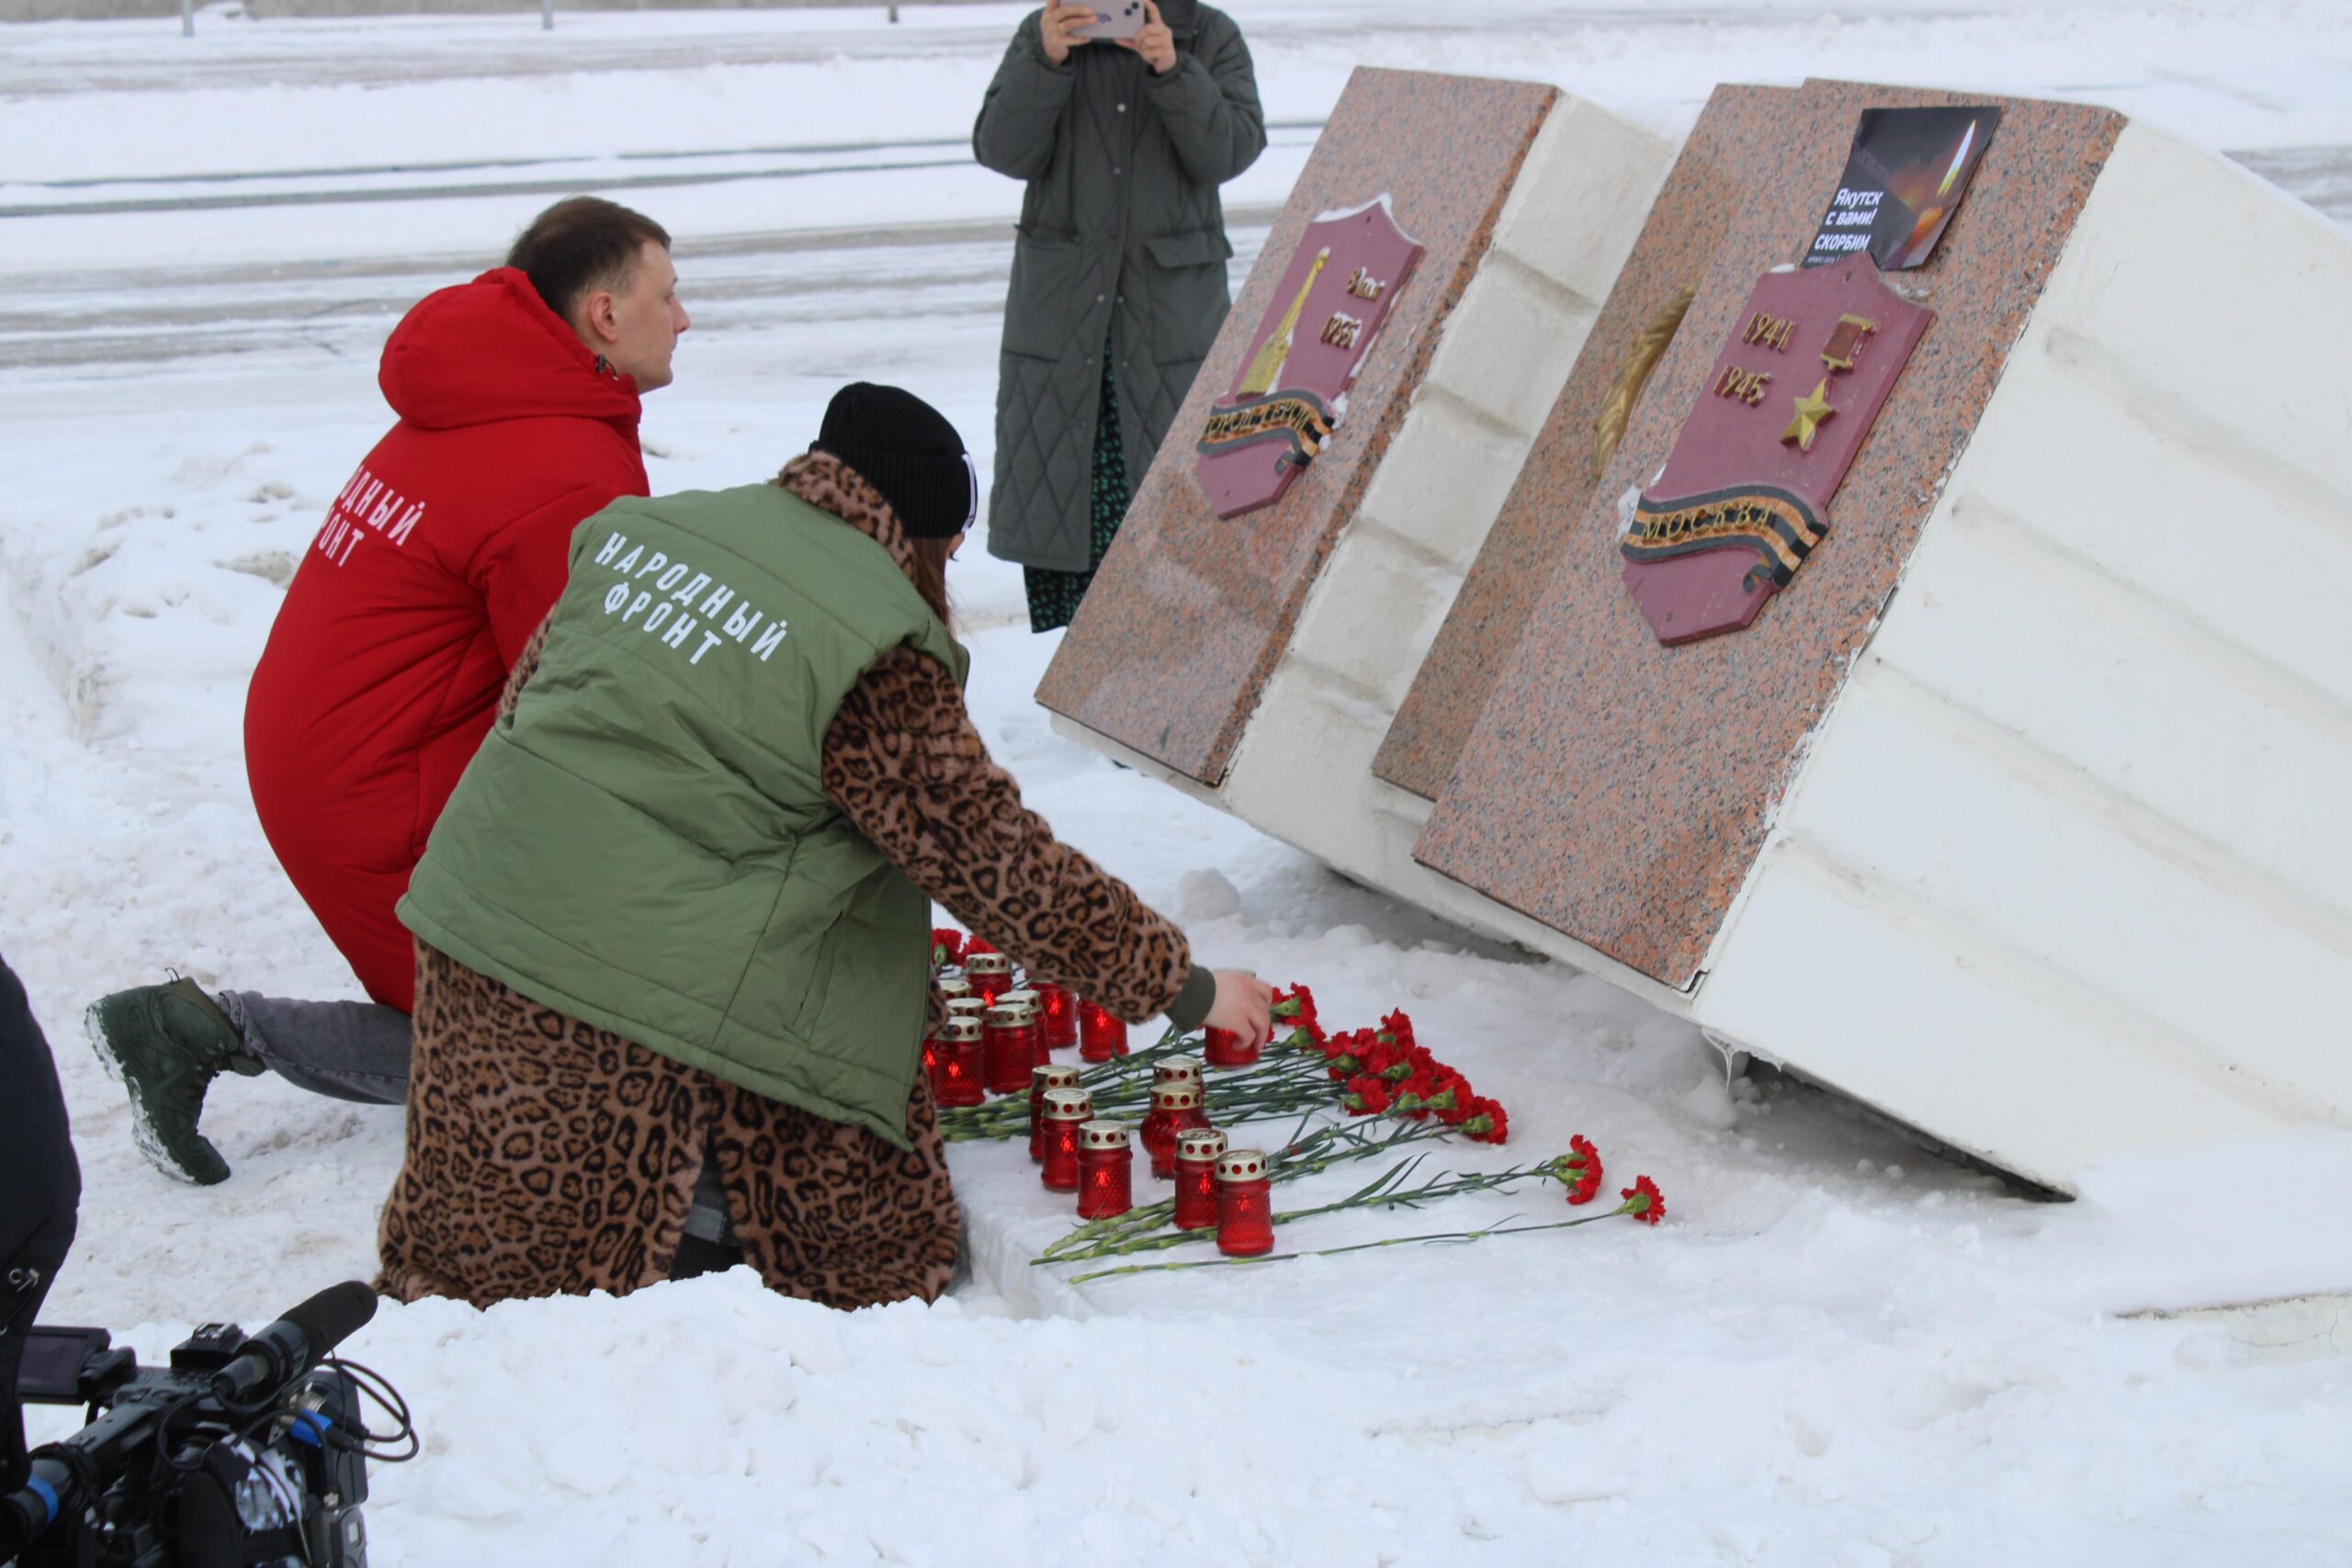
[[1056, 26], [1112, 19], [1153, 40]]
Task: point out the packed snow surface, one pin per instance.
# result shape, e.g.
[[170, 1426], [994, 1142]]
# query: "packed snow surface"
[[1839, 1349]]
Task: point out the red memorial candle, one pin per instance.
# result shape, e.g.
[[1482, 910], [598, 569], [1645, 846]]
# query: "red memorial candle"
[[1244, 1205], [1026, 1000], [1197, 1154], [1175, 1108], [1041, 1078], [990, 974], [1058, 1013], [1012, 1050], [1100, 1035], [1223, 1048], [951, 984], [1106, 1165], [960, 1076], [1065, 1109]]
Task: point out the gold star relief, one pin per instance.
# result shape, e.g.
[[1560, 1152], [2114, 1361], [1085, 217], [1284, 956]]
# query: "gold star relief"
[[1811, 410]]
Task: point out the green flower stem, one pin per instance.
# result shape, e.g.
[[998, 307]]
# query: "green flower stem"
[[1456, 1236], [1383, 1192], [1122, 1085], [1304, 1153]]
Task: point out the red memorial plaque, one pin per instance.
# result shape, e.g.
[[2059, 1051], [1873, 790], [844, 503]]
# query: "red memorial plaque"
[[1294, 387], [1745, 495]]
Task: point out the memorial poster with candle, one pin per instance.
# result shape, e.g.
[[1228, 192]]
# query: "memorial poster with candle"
[[1744, 498], [1291, 388], [1904, 178]]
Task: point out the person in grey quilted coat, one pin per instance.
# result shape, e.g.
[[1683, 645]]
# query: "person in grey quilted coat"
[[1118, 271]]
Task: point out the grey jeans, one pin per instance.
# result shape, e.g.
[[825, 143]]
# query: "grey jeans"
[[355, 1051], [360, 1051]]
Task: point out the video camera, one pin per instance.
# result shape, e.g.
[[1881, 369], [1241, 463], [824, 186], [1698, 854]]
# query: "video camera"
[[247, 1449]]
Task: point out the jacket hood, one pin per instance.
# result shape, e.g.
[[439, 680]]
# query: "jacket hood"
[[1182, 16], [492, 350]]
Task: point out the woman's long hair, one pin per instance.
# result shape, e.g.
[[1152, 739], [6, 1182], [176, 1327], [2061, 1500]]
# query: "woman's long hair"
[[930, 574]]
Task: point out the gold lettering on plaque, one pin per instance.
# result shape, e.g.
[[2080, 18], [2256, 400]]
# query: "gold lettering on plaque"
[[1364, 285], [1341, 331], [1770, 332], [1745, 385]]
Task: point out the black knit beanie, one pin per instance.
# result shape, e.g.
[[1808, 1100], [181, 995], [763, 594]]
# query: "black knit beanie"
[[905, 449]]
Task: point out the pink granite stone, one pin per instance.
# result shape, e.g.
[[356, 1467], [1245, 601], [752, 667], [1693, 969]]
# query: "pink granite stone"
[[1189, 613], [1622, 792], [1726, 157]]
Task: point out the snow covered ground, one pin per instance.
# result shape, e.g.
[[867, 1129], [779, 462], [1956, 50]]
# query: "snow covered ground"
[[1839, 1349]]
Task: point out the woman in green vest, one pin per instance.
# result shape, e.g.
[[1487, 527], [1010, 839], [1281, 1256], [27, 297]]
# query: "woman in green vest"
[[673, 926]]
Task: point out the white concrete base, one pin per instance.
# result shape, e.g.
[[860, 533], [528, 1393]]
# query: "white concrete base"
[[2067, 874]]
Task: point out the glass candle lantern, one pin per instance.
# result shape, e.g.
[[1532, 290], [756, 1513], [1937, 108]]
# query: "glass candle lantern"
[[951, 984], [1043, 1078], [1177, 1070], [1057, 1013], [1224, 1048], [1106, 1164], [1244, 1205], [1100, 1035], [1026, 1000], [1011, 1049], [1065, 1109], [960, 1076], [1175, 1108], [931, 1063], [990, 974], [1197, 1154]]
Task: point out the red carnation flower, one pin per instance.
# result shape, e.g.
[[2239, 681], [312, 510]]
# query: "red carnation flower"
[[1298, 1006], [1487, 1122], [946, 946], [976, 943], [1584, 1162], [1644, 1200], [1367, 1096]]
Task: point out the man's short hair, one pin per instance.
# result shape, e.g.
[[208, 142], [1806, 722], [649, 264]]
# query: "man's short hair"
[[582, 242]]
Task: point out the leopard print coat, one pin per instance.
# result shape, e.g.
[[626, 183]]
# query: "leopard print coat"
[[547, 1156]]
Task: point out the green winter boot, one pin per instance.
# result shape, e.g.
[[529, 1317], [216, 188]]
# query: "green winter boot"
[[164, 1043]]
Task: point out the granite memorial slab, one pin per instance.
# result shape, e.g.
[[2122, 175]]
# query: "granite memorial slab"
[[1603, 724], [1997, 815], [1739, 134], [1378, 386], [1189, 612]]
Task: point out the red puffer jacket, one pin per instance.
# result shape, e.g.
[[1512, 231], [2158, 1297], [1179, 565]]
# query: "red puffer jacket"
[[437, 561]]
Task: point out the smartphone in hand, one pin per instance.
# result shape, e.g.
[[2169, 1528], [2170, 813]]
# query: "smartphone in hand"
[[1112, 19]]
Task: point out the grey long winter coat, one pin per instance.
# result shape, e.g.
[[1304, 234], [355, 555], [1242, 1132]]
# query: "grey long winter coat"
[[1122, 236]]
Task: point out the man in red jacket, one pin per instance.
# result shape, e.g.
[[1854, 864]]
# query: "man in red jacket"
[[517, 396]]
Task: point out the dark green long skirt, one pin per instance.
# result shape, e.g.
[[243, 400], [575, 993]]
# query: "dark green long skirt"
[[1054, 595]]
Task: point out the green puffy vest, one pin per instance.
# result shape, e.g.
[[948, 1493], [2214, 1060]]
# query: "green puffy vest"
[[646, 842]]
